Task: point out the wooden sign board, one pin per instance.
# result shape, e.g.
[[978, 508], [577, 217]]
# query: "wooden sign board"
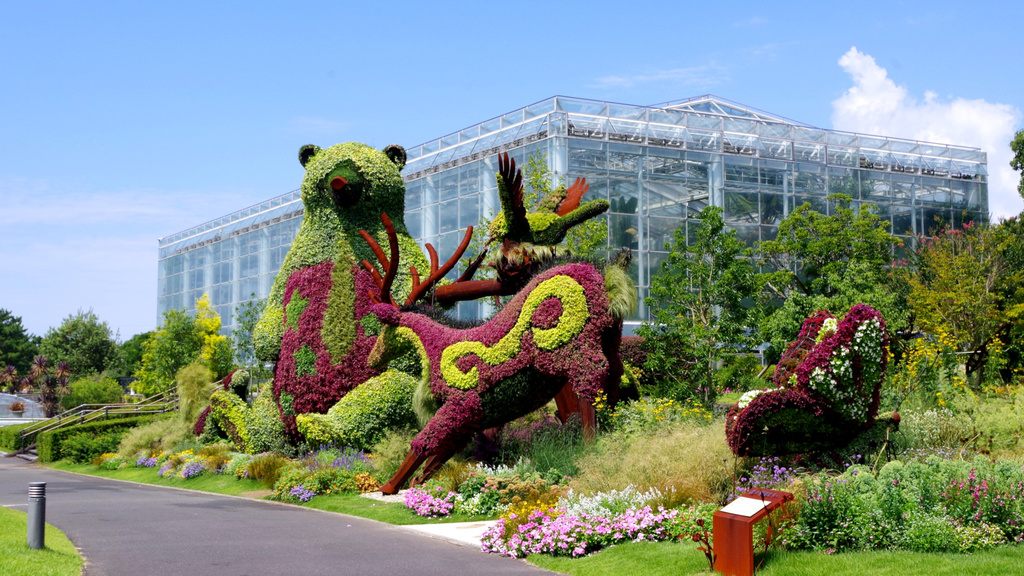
[[733, 528]]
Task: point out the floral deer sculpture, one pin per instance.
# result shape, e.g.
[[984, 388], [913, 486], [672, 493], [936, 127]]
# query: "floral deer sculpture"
[[557, 332]]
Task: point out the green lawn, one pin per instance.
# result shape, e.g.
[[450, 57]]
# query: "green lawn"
[[682, 558], [219, 484], [59, 558], [351, 504]]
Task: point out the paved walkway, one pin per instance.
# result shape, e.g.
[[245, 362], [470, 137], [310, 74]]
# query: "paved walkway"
[[128, 529]]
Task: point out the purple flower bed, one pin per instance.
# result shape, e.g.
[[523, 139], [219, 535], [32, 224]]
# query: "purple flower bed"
[[765, 474], [191, 470], [575, 536], [302, 493], [146, 461]]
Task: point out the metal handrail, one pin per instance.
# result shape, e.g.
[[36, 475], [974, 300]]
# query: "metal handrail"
[[165, 401]]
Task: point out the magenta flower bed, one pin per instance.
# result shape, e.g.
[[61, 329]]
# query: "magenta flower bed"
[[575, 536]]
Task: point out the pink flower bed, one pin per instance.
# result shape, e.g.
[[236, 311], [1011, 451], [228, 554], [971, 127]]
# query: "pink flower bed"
[[431, 504], [566, 535]]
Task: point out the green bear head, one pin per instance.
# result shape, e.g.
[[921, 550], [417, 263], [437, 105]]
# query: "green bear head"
[[353, 183]]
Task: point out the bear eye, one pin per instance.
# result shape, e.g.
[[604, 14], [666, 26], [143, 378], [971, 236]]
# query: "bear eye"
[[338, 183]]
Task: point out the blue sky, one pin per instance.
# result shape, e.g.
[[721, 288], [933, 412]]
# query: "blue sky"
[[124, 122]]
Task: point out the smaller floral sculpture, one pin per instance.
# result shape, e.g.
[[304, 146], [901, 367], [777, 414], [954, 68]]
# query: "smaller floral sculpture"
[[829, 382]]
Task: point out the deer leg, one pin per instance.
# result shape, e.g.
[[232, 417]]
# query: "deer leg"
[[432, 465], [567, 401], [405, 471], [589, 422]]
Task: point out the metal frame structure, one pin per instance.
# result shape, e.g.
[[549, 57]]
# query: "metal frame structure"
[[657, 165]]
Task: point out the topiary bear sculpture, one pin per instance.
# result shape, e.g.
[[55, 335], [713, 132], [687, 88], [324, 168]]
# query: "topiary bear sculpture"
[[317, 325]]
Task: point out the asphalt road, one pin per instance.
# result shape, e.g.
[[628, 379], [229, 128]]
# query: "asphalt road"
[[127, 529]]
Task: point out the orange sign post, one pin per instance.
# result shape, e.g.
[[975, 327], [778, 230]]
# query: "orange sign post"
[[733, 528]]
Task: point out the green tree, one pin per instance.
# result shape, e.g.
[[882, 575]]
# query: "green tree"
[[830, 262], [1017, 162], [967, 290], [17, 347], [247, 314], [93, 389], [131, 353], [84, 342], [701, 303], [183, 339]]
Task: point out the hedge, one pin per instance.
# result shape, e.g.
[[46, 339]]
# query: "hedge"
[[48, 444], [9, 437]]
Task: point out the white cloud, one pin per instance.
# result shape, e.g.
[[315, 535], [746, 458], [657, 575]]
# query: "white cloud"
[[875, 104], [706, 75], [65, 248]]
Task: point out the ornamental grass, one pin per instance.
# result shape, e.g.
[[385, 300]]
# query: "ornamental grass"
[[687, 462]]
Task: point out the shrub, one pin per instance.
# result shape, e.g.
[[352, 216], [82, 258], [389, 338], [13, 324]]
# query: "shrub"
[[160, 434], [195, 383], [84, 447], [930, 533], [263, 423], [48, 444], [95, 389], [326, 471], [364, 416], [829, 513], [939, 430], [267, 468], [10, 439], [647, 415], [389, 453]]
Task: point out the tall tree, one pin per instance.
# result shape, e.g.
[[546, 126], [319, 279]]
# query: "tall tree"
[[17, 347], [184, 338], [965, 286], [701, 304], [83, 341], [831, 262], [131, 354], [247, 315], [1017, 162]]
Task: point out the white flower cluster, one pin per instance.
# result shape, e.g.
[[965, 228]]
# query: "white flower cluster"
[[608, 503], [748, 396], [837, 385], [828, 328]]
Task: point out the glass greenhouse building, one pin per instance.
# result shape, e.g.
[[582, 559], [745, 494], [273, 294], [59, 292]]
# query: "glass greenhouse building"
[[658, 166]]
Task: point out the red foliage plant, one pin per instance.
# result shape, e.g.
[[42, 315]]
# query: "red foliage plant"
[[307, 378], [799, 349]]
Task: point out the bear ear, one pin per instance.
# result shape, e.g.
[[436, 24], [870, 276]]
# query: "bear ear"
[[306, 153], [396, 154]]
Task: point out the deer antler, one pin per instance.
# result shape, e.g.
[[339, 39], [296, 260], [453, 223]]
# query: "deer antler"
[[390, 266], [436, 273]]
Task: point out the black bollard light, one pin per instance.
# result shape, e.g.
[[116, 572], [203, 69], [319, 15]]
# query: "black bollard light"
[[37, 515]]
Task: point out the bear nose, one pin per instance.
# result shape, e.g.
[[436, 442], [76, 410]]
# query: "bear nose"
[[338, 183]]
